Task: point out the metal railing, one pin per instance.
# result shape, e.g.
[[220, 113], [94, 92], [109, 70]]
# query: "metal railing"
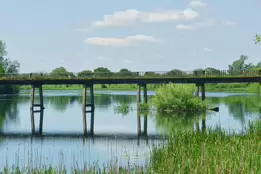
[[131, 75]]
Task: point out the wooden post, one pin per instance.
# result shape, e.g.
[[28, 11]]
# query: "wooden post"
[[41, 122], [138, 111], [32, 97], [203, 92], [203, 125], [197, 90], [145, 124], [84, 109], [92, 97], [138, 126], [32, 121], [92, 123], [145, 93], [41, 97]]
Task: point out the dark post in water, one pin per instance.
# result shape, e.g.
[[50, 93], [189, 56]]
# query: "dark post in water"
[[84, 104], [33, 105]]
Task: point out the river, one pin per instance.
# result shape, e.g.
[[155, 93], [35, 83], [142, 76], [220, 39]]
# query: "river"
[[63, 114]]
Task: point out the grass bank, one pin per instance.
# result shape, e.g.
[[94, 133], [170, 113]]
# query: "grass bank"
[[249, 88], [212, 151]]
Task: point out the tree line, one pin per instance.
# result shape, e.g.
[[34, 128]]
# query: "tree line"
[[237, 66]]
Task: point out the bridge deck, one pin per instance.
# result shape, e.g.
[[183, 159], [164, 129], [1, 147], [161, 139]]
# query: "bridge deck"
[[132, 80]]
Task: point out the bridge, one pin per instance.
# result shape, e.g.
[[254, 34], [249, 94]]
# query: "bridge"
[[88, 80]]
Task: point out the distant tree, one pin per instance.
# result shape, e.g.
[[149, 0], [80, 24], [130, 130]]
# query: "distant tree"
[[151, 74], [238, 65], [61, 72], [102, 72], [212, 71], [258, 65], [85, 73], [176, 72], [124, 72]]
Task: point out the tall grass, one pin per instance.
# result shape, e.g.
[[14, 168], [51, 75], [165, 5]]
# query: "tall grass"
[[213, 151], [177, 98]]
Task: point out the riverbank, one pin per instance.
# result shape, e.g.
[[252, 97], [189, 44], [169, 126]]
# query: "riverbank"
[[246, 88], [213, 151]]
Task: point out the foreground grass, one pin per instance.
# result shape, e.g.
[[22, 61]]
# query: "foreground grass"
[[187, 152]]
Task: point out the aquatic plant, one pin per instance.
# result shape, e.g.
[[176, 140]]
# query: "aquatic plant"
[[177, 98]]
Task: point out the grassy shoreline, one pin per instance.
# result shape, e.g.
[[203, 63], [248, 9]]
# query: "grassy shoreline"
[[212, 151]]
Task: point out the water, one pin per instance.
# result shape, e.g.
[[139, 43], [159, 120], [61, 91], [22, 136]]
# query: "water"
[[115, 134]]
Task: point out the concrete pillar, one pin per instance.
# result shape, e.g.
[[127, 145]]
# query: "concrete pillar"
[[145, 126], [145, 93], [203, 92], [197, 90], [92, 123]]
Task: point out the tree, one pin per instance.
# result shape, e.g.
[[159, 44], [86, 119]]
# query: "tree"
[[85, 73], [238, 65], [61, 72], [176, 72], [124, 72], [213, 71], [8, 67], [102, 72]]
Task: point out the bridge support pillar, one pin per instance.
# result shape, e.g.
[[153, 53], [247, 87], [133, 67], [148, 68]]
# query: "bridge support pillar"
[[145, 93], [203, 92], [33, 105], [197, 90], [84, 104]]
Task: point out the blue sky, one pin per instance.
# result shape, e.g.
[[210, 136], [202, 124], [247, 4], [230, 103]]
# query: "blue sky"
[[145, 35]]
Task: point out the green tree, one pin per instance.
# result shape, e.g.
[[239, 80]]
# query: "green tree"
[[102, 72], [176, 72], [240, 65], [213, 71], [124, 72], [61, 72], [7, 67], [85, 73]]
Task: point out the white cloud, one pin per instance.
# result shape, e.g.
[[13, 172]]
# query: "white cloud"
[[124, 41], [228, 22], [203, 24], [207, 49], [185, 27], [197, 4], [103, 58], [132, 16]]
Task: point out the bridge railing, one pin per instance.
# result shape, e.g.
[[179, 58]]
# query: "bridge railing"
[[127, 75]]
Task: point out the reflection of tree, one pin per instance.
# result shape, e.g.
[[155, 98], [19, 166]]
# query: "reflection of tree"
[[239, 106], [8, 109], [171, 123], [61, 102], [126, 99]]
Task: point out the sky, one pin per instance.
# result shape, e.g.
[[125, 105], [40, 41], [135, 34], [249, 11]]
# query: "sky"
[[145, 35]]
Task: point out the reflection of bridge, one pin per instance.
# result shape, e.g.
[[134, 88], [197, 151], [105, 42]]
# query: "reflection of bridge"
[[200, 78]]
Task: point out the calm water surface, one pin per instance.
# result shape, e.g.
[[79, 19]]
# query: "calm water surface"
[[63, 114]]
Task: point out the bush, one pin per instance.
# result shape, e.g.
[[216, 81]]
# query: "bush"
[[177, 98]]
